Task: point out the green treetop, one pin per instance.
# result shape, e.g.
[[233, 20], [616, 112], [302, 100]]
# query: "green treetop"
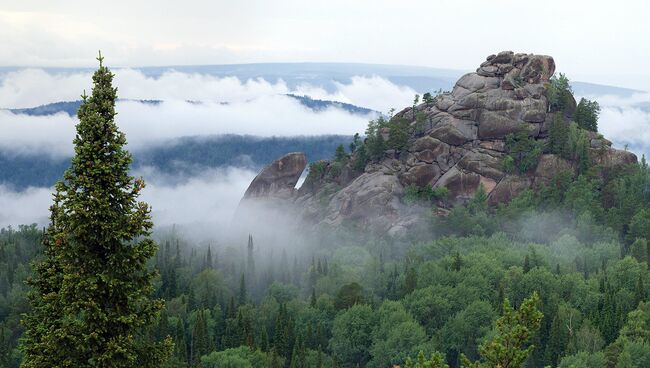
[[509, 348]]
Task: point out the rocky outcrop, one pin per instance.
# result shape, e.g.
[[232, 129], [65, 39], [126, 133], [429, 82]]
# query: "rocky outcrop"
[[279, 179], [459, 144]]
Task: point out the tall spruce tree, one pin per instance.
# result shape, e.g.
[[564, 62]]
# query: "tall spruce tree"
[[91, 292]]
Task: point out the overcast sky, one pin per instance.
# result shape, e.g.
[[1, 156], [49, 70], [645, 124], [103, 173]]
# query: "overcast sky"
[[591, 40]]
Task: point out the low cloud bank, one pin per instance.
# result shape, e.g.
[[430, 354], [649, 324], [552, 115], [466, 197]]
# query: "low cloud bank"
[[229, 106], [207, 201], [625, 121], [33, 87], [148, 124]]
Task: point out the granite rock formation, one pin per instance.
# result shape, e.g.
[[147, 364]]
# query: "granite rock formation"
[[460, 144]]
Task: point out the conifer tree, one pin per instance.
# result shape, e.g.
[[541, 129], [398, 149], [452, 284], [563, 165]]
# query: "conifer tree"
[[242, 290], [298, 357], [250, 265], [208, 258], [90, 296], [180, 344], [312, 301], [509, 346], [639, 291], [200, 338]]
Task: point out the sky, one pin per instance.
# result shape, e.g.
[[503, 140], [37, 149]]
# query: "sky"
[[596, 41]]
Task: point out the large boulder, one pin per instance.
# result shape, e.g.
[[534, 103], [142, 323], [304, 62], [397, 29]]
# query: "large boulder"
[[279, 179]]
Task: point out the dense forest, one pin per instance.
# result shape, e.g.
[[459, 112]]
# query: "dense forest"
[[580, 244]]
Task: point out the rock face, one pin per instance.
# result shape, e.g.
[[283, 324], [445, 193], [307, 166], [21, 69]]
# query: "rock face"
[[279, 178], [460, 145]]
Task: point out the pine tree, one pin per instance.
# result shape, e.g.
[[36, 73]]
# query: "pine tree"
[[250, 265], [208, 259], [514, 329], [200, 339], [639, 291], [90, 298], [526, 264], [340, 155], [242, 290], [558, 136], [557, 341], [410, 281], [298, 357], [312, 301], [609, 321], [180, 344], [457, 262], [172, 289]]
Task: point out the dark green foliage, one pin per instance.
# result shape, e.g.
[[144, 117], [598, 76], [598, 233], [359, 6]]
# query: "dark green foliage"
[[427, 97], [349, 295], [241, 357], [508, 164], [200, 343], [375, 144], [414, 194], [559, 93], [524, 150], [586, 115], [340, 155], [360, 158], [509, 347], [399, 132], [356, 142], [558, 136], [352, 336], [436, 360], [90, 293]]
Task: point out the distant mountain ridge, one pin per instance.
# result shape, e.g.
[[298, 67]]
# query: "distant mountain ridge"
[[71, 107]]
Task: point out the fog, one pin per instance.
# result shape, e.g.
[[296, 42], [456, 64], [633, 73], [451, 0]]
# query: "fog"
[[228, 106], [625, 122], [207, 200], [33, 87], [26, 207]]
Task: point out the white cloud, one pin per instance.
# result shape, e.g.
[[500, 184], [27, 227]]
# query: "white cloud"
[[33, 87], [210, 199], [26, 207], [255, 107], [23, 134], [372, 92], [626, 126], [623, 122], [145, 124]]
